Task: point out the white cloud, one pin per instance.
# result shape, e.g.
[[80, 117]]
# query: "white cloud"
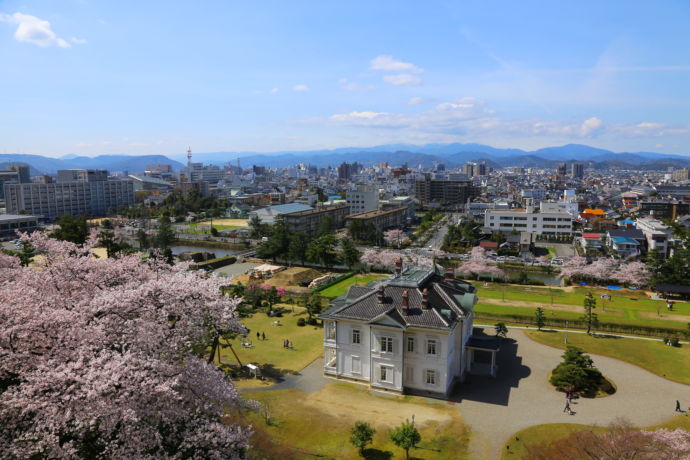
[[591, 126], [389, 64], [415, 101], [403, 79], [300, 88], [31, 29], [273, 90], [78, 41]]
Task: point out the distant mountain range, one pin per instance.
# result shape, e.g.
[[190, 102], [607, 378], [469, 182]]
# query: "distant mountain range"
[[45, 165], [452, 155]]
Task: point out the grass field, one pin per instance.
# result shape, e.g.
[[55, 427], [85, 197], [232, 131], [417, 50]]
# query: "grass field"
[[317, 424], [672, 363], [516, 447], [341, 288], [625, 307], [270, 354]]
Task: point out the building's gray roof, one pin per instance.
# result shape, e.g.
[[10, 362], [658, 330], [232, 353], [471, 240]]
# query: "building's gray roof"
[[449, 300]]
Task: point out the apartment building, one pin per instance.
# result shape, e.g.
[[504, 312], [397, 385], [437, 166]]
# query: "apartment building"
[[444, 191], [657, 235]]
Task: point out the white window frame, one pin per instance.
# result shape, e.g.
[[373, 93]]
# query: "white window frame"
[[331, 329], [388, 370], [432, 343], [430, 376], [386, 344], [410, 341], [356, 333]]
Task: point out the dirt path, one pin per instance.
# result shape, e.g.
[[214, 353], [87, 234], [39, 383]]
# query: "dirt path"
[[664, 316]]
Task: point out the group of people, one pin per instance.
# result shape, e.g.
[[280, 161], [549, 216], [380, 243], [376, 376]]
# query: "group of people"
[[287, 344], [568, 400], [261, 336]]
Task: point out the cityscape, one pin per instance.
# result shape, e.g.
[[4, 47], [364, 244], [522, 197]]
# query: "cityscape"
[[486, 260]]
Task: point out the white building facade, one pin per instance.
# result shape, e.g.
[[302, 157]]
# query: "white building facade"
[[411, 333]]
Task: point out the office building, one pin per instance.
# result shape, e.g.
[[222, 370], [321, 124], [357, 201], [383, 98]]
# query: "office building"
[[11, 223], [362, 199], [547, 221], [577, 170], [310, 220], [90, 195]]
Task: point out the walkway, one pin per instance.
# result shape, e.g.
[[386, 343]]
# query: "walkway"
[[521, 396]]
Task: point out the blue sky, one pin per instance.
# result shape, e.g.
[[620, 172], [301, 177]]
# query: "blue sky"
[[96, 77]]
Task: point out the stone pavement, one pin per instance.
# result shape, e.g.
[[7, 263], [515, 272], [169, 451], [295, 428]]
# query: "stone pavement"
[[521, 395]]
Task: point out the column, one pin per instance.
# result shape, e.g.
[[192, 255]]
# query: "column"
[[493, 364]]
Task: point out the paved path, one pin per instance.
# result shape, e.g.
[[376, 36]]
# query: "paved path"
[[521, 396]]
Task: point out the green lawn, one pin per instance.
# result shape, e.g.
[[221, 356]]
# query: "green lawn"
[[316, 425], [341, 288], [625, 307], [516, 446], [270, 354], [672, 363]]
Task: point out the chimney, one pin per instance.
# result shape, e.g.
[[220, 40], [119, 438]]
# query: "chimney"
[[449, 275], [425, 299], [406, 302], [380, 295], [398, 266]]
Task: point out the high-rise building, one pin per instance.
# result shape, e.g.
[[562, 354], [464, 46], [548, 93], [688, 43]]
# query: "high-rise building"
[[23, 172], [577, 170], [561, 169], [82, 175], [680, 175], [345, 171], [447, 192]]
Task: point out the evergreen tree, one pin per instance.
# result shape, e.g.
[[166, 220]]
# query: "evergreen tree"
[[299, 242], [165, 236], [72, 229], [349, 254], [539, 318], [590, 304]]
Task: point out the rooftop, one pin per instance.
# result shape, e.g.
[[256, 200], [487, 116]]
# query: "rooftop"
[[378, 212]]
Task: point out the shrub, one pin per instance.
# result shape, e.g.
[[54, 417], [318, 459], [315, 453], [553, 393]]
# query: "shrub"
[[312, 321], [301, 322], [576, 372]]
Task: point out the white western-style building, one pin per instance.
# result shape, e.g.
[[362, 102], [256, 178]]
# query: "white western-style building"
[[409, 333]]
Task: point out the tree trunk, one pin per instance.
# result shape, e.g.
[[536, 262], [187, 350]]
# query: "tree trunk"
[[235, 354], [214, 346]]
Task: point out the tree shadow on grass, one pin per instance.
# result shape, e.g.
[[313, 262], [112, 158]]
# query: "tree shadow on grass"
[[377, 454]]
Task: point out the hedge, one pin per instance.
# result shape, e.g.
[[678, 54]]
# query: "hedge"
[[216, 263]]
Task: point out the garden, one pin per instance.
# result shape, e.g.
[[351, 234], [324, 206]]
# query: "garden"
[[341, 287]]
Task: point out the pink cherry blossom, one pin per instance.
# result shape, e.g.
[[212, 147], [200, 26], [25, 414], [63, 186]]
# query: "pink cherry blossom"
[[106, 355]]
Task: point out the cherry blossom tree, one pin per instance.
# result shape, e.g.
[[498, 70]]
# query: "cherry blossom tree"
[[573, 268], [479, 264], [103, 358], [394, 237], [386, 258], [632, 273]]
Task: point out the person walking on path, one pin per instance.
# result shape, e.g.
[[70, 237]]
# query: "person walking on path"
[[678, 409], [567, 407]]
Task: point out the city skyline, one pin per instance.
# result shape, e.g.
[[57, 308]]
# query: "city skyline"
[[95, 78]]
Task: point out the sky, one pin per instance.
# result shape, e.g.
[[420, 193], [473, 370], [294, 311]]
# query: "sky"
[[90, 77]]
